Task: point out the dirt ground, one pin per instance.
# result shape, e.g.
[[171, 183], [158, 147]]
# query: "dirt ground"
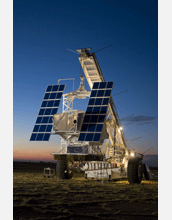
[[36, 197]]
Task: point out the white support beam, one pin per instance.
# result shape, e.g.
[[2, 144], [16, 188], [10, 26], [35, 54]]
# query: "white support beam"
[[93, 74]]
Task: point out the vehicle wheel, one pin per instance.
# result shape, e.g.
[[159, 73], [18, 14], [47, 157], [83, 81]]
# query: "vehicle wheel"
[[145, 172], [134, 170], [64, 169]]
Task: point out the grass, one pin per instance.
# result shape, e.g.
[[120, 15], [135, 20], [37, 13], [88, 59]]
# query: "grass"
[[36, 197]]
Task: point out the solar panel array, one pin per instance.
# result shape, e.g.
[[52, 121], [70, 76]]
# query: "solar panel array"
[[96, 112], [49, 107]]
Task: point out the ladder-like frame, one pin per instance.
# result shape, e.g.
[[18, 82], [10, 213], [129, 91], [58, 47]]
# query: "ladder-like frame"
[[93, 74]]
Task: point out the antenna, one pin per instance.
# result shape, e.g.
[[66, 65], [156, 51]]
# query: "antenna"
[[102, 48], [145, 123], [147, 150], [120, 93], [73, 51], [126, 117], [134, 139], [87, 49], [144, 152]]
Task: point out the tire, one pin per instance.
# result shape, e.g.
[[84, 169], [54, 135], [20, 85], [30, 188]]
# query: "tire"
[[63, 169], [134, 170], [145, 172]]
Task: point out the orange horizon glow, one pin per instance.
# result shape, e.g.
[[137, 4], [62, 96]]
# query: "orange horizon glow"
[[23, 155], [31, 151], [36, 155]]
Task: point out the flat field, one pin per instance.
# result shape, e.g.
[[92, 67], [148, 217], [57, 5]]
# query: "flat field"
[[36, 197]]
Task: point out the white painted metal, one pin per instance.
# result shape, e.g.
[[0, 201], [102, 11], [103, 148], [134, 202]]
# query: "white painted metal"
[[66, 123], [80, 93], [103, 170], [114, 148], [93, 74]]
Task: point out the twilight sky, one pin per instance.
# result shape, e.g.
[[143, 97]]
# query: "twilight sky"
[[42, 33]]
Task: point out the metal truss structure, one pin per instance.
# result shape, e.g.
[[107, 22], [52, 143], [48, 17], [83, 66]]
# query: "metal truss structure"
[[116, 144], [106, 151]]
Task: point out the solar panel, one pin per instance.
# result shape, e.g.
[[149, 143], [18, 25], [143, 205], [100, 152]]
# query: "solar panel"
[[96, 112], [49, 107]]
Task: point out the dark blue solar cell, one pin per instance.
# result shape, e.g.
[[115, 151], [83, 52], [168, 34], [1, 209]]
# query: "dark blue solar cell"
[[46, 96], [102, 85], [48, 111], [59, 95], [49, 88], [39, 137], [105, 101], [54, 111], [109, 84], [81, 136], [38, 120], [89, 110], [94, 118], [91, 102], [41, 111], [89, 137], [44, 104], [52, 95], [101, 118], [93, 93], [45, 120], [46, 137], [61, 88], [33, 137], [100, 93], [42, 128], [56, 103], [49, 128], [96, 110], [36, 128], [50, 103], [108, 92], [99, 127], [55, 88], [103, 110], [84, 127], [96, 85], [50, 119], [91, 127], [87, 118], [97, 137], [98, 101]]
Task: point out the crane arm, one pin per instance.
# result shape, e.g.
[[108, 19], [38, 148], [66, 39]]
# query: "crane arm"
[[93, 74]]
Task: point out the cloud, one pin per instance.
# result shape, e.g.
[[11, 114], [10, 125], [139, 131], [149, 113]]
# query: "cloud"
[[140, 118]]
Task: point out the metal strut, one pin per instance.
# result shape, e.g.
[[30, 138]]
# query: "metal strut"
[[94, 74]]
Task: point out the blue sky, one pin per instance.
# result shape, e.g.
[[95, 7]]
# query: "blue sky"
[[42, 33]]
